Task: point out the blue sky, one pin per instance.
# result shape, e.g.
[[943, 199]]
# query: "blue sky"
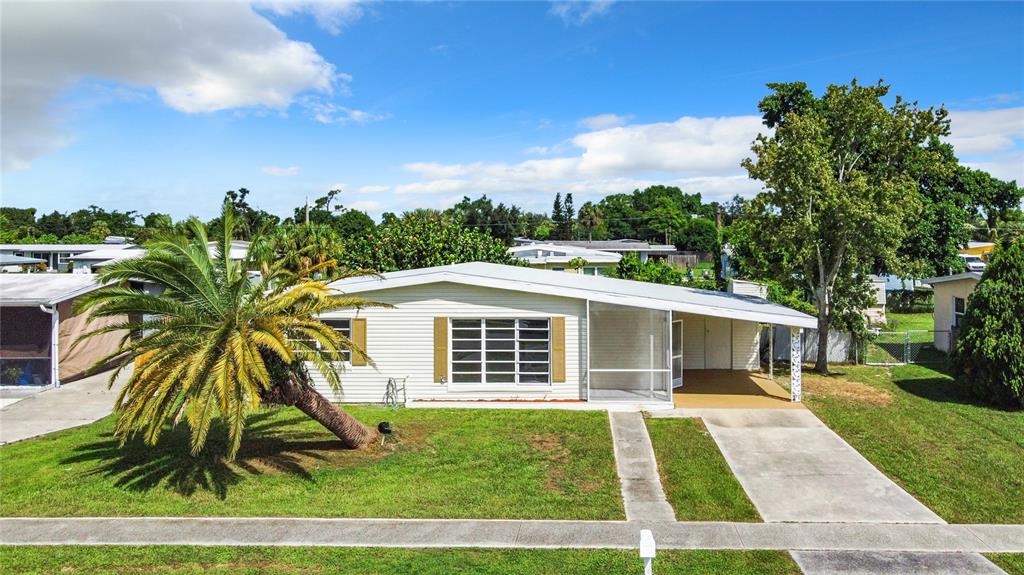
[[164, 107]]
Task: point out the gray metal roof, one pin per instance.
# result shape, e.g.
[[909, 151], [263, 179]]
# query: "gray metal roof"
[[43, 288], [606, 245], [13, 260], [594, 288], [952, 278]]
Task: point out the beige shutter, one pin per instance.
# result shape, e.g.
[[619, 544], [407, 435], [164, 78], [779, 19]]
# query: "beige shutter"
[[440, 349], [359, 339], [558, 349]]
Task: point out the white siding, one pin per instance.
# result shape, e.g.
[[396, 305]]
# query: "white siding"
[[400, 341], [746, 339], [693, 341], [717, 343]]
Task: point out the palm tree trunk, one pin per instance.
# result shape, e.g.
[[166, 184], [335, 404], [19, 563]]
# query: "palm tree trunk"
[[348, 429]]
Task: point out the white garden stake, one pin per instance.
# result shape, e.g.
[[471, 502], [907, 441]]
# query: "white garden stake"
[[647, 550]]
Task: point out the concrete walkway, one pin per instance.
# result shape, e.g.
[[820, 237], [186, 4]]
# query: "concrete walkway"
[[794, 468], [73, 404], [510, 534], [893, 563], [642, 493]]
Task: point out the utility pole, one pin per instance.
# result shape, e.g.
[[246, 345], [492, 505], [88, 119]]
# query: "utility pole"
[[307, 210]]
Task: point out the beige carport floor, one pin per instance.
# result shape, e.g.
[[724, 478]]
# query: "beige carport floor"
[[723, 388]]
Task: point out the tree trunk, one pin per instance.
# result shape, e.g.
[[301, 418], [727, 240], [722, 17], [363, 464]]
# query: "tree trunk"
[[821, 360], [348, 429]]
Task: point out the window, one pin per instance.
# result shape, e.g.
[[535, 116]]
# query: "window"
[[558, 269], [342, 326], [502, 351], [959, 306], [590, 271]]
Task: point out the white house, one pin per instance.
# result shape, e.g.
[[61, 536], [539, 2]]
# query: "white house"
[[39, 325], [479, 331], [643, 250], [57, 256], [557, 257]]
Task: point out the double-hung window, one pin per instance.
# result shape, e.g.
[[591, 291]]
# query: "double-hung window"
[[959, 307], [501, 351], [342, 326]]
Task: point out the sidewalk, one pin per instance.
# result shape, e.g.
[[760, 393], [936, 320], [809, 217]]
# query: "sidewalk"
[[509, 534], [642, 493], [73, 404]]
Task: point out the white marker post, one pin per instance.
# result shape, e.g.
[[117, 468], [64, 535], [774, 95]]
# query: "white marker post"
[[647, 550]]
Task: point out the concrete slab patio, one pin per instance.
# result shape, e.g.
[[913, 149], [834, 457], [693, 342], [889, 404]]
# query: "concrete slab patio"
[[794, 468], [73, 404]]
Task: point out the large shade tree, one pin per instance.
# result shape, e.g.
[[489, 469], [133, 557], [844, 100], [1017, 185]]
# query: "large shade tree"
[[840, 175], [211, 342]]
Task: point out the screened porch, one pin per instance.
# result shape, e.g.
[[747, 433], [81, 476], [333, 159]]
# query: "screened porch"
[[630, 354]]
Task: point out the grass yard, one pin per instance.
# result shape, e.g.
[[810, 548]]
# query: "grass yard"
[[962, 459], [697, 480], [349, 561], [468, 463], [1012, 563], [910, 321]]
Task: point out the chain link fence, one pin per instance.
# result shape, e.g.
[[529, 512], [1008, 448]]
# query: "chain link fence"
[[903, 347]]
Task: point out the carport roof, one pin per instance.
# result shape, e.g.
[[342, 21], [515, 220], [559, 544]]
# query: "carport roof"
[[593, 288], [43, 288]]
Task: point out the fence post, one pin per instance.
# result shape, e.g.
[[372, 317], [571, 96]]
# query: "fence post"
[[647, 550], [906, 348]]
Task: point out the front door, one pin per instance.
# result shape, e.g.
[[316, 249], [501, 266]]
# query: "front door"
[[717, 343]]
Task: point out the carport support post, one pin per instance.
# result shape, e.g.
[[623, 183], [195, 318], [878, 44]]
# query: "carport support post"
[[796, 359]]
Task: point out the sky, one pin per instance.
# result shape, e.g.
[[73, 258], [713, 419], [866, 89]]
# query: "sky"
[[163, 107]]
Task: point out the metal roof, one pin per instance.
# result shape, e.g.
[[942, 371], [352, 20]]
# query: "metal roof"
[[43, 288], [593, 288], [562, 254], [62, 247], [605, 245], [952, 278], [108, 254], [13, 260]]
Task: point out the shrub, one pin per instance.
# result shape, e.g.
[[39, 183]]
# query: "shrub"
[[989, 358]]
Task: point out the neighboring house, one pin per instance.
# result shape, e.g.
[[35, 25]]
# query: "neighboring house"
[[480, 331], [58, 256], [556, 258], [744, 287], [980, 249], [876, 313], [90, 262], [642, 249], [951, 293], [38, 325], [13, 263]]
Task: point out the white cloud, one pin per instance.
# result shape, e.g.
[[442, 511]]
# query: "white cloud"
[[365, 206], [1005, 166], [197, 56], [277, 171], [330, 113], [371, 189], [330, 15], [578, 13], [699, 154], [604, 121], [983, 132]]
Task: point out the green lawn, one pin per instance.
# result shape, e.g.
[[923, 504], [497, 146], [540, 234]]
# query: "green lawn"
[[962, 459], [1012, 563], [465, 463], [316, 560], [698, 482], [910, 321]]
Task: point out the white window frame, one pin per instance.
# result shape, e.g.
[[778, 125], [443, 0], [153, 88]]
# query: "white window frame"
[[958, 316], [346, 355], [483, 383]]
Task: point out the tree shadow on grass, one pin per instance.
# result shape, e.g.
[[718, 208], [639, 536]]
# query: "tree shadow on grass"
[[170, 464], [941, 388]]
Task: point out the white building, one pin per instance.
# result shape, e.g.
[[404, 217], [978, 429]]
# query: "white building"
[[479, 331], [557, 257]]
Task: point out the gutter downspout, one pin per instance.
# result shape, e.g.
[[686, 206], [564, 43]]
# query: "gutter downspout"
[[54, 340]]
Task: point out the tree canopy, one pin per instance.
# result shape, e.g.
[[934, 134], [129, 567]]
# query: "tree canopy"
[[841, 178], [988, 361]]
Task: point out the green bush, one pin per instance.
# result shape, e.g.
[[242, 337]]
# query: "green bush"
[[989, 358], [909, 301]]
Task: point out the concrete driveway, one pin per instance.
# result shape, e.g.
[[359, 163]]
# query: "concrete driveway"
[[73, 404], [794, 468]]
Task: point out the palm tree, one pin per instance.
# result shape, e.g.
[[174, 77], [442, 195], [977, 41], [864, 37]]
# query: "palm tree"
[[590, 218], [216, 342]]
